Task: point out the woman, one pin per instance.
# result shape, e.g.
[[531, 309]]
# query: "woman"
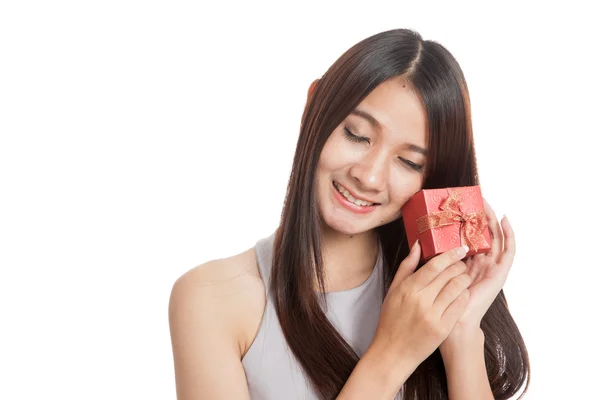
[[334, 304]]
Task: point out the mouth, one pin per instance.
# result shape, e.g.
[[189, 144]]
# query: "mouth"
[[349, 199]]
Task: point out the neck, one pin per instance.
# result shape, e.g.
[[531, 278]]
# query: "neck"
[[348, 260]]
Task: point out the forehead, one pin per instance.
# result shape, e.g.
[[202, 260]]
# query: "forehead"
[[398, 109]]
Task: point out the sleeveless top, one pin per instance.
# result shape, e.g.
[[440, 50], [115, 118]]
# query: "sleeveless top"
[[272, 371]]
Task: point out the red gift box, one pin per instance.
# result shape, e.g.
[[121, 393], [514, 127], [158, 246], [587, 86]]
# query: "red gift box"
[[443, 219]]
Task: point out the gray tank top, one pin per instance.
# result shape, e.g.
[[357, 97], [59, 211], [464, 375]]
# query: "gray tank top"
[[272, 371]]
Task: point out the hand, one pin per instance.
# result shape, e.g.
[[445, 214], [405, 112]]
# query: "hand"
[[421, 308], [489, 272]]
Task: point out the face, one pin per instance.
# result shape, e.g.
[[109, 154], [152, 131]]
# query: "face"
[[373, 162]]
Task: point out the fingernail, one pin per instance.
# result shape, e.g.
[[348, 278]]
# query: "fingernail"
[[462, 251], [414, 246]]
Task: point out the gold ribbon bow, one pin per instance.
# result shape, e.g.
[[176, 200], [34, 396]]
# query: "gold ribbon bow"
[[472, 225]]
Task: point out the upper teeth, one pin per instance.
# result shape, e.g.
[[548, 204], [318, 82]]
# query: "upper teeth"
[[348, 196]]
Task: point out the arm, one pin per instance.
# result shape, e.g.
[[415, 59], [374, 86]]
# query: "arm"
[[378, 375], [463, 350], [206, 351], [411, 324], [463, 355]]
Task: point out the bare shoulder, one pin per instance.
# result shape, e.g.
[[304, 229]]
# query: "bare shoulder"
[[215, 311], [229, 292]]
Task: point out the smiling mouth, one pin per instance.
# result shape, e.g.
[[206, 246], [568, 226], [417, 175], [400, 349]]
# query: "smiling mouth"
[[359, 202]]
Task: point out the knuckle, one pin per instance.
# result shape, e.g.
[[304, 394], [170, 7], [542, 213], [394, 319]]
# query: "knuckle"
[[438, 263], [406, 295], [431, 264], [430, 321], [423, 308], [455, 285], [419, 303], [458, 268], [462, 281], [405, 288], [466, 278], [397, 296]]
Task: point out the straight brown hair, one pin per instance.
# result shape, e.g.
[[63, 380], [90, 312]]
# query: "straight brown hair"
[[434, 74]]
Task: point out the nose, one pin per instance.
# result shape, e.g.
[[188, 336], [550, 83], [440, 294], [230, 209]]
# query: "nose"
[[372, 172]]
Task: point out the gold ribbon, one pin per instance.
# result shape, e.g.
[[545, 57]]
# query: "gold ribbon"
[[472, 225]]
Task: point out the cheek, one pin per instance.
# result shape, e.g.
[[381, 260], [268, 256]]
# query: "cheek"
[[335, 153], [328, 162], [326, 154], [406, 185]]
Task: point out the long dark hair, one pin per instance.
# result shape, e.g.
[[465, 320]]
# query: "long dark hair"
[[436, 77]]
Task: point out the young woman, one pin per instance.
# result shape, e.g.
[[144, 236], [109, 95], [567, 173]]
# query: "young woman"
[[334, 304]]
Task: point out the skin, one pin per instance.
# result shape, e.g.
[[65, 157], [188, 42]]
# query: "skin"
[[216, 308], [376, 170], [462, 351]]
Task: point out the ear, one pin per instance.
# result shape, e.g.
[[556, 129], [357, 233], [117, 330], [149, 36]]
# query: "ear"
[[311, 89]]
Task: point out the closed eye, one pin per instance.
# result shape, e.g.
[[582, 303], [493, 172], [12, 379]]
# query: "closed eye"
[[355, 138], [415, 166], [363, 139]]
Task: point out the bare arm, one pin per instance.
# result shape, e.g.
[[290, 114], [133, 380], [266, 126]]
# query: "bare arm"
[[378, 375], [465, 367], [207, 345], [206, 351], [463, 350], [418, 313]]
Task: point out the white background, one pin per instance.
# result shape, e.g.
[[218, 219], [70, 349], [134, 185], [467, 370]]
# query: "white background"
[[142, 138]]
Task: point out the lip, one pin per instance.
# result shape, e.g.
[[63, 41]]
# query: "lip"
[[354, 194], [351, 206]]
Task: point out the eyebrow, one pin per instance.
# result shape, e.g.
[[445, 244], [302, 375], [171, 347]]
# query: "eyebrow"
[[373, 121]]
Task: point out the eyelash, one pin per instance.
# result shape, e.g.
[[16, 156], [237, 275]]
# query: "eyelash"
[[354, 138], [361, 139]]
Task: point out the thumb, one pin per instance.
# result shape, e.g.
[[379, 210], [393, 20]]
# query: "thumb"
[[408, 265]]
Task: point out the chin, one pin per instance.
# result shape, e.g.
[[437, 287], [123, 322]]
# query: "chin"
[[346, 226], [345, 229]]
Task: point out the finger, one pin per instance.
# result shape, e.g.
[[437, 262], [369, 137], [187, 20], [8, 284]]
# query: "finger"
[[437, 285], [408, 265], [450, 292], [495, 230], [476, 265], [436, 265], [456, 309], [510, 247]]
